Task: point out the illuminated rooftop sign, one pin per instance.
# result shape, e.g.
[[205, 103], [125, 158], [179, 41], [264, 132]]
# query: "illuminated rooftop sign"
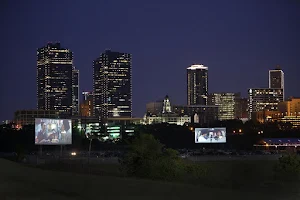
[[195, 67]]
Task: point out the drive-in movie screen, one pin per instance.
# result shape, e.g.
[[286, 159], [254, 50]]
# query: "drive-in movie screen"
[[53, 131], [210, 135]]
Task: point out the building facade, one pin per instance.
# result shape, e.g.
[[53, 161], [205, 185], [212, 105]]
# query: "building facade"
[[114, 129], [291, 107], [57, 80], [197, 85], [264, 99], [112, 85], [200, 114], [154, 108], [27, 117], [294, 120], [267, 116], [276, 79], [241, 108], [168, 118], [75, 92], [166, 115], [226, 103], [86, 106]]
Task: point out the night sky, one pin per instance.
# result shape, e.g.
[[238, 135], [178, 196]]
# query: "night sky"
[[239, 41]]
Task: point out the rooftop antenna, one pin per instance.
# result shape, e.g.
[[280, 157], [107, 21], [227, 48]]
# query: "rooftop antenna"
[[278, 67]]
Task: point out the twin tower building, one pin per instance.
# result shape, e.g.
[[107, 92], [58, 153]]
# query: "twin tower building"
[[58, 83]]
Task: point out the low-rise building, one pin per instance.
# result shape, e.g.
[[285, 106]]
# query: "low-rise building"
[[291, 107], [166, 116], [86, 107], [294, 120], [200, 114], [154, 108], [267, 116], [114, 129]]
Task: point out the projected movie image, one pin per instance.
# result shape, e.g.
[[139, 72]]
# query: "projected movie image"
[[210, 135], [53, 131]]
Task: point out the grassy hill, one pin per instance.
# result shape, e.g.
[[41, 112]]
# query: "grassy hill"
[[22, 182]]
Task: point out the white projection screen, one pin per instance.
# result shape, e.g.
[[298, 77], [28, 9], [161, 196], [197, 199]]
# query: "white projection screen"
[[53, 131], [210, 135]]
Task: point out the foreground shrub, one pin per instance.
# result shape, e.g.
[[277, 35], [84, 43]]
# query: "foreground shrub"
[[288, 167], [146, 158], [166, 168], [195, 171]]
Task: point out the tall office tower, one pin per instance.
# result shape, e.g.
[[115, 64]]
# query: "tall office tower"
[[57, 80], [112, 85], [226, 103], [264, 99], [276, 79], [197, 88], [75, 95]]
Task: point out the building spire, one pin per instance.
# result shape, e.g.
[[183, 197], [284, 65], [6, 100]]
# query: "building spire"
[[167, 105]]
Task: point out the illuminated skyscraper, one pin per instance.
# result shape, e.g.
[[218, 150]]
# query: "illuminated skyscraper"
[[226, 103], [264, 99], [197, 88], [75, 94], [112, 85], [276, 79], [57, 80]]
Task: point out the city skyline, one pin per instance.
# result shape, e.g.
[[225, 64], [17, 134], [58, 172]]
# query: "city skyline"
[[160, 53]]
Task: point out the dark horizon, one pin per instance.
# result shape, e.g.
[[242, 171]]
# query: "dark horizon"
[[238, 42]]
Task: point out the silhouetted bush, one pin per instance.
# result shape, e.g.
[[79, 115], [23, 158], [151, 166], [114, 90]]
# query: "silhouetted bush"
[[195, 172], [288, 167], [147, 158]]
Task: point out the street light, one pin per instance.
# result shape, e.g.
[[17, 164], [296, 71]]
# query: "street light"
[[90, 137], [105, 129]]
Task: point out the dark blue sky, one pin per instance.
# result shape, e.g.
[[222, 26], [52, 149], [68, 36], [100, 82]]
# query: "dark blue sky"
[[238, 40]]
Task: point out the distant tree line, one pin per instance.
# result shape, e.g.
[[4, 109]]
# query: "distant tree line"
[[239, 136]]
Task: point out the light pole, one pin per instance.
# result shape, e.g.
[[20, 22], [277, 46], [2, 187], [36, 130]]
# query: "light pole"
[[105, 131], [91, 137], [90, 146]]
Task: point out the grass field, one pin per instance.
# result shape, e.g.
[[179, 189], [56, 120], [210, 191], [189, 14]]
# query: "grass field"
[[23, 182]]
